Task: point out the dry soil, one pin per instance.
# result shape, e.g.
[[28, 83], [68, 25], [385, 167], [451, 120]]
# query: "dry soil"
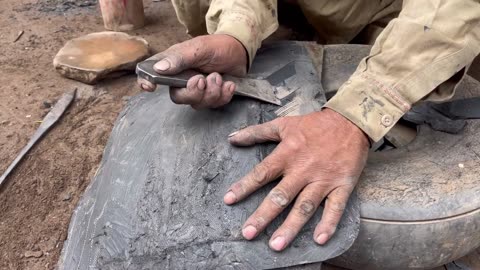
[[37, 202]]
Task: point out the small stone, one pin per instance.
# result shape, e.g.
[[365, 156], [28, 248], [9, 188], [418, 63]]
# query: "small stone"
[[209, 175], [66, 196], [461, 166], [95, 56], [28, 116], [34, 254], [47, 104], [19, 35]]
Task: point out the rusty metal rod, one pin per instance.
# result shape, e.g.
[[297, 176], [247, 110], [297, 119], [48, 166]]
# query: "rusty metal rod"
[[50, 119]]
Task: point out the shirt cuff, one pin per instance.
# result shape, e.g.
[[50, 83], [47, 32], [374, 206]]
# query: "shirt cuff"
[[245, 29], [370, 104]]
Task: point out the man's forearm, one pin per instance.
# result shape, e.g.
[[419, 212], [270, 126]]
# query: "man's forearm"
[[416, 57]]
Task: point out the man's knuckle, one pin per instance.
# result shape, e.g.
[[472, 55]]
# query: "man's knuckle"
[[237, 188], [279, 197], [259, 221], [290, 228], [254, 133], [212, 95], [260, 173], [281, 121], [306, 208], [292, 145], [343, 192], [336, 207], [272, 125]]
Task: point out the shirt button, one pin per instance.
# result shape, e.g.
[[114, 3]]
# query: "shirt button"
[[387, 120]]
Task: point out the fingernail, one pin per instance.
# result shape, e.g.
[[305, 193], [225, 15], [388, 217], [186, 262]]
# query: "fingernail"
[[322, 239], [230, 197], [233, 134], [143, 86], [218, 80], [278, 243], [232, 88], [249, 232], [201, 84], [162, 65]]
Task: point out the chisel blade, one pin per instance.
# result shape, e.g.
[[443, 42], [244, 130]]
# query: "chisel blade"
[[50, 119]]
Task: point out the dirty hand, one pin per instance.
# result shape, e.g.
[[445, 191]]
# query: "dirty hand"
[[208, 54], [319, 155]]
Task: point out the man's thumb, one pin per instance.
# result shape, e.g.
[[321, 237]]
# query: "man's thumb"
[[171, 63], [162, 65], [179, 57]]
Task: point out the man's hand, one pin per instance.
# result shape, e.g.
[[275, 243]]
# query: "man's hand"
[[208, 54], [320, 155]]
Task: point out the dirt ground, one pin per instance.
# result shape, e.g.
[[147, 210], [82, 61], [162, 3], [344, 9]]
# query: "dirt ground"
[[37, 202]]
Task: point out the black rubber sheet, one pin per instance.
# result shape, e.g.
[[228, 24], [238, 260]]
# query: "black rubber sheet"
[[156, 201]]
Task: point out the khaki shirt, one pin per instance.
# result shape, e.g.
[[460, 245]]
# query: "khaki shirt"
[[422, 54]]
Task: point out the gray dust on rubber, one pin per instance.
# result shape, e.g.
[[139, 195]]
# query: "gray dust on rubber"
[[156, 201]]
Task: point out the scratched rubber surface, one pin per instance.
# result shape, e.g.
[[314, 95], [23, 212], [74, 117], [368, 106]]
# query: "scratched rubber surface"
[[156, 201]]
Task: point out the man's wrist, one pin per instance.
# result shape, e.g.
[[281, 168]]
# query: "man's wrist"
[[348, 126], [240, 48]]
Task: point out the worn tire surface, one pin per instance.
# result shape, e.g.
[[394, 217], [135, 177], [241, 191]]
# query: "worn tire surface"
[[420, 205]]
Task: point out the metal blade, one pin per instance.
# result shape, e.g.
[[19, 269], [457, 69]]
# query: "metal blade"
[[258, 89], [51, 118]]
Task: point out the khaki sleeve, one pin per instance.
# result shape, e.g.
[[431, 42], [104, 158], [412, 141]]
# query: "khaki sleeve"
[[249, 21], [422, 54]]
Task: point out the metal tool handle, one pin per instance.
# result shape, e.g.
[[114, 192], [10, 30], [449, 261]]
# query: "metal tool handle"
[[146, 71]]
